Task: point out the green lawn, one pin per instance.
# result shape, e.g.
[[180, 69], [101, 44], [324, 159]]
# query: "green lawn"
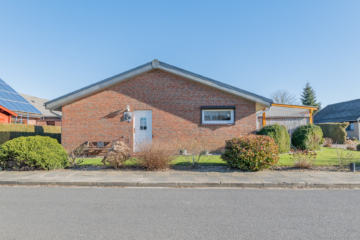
[[97, 162], [325, 157]]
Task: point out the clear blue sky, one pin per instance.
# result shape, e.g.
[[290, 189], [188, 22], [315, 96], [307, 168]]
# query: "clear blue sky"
[[50, 48]]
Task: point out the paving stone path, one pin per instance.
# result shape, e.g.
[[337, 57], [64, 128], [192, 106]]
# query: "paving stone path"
[[182, 179]]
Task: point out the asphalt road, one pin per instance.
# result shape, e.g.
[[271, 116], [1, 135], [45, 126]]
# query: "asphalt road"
[[165, 213]]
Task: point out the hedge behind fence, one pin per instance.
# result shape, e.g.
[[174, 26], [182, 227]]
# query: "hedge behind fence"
[[335, 131], [9, 131]]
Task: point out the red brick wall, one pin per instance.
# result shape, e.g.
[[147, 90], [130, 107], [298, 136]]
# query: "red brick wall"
[[175, 103], [43, 122]]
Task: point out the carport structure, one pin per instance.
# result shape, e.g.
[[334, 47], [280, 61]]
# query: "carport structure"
[[291, 116]]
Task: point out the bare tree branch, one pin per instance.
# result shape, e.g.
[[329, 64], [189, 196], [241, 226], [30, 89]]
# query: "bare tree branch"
[[284, 97]]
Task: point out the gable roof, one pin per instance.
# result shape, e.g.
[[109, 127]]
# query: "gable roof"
[[4, 109], [57, 103], [339, 112], [39, 104], [12, 100]]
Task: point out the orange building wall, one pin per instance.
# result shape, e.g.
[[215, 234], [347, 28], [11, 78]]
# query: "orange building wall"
[[4, 118]]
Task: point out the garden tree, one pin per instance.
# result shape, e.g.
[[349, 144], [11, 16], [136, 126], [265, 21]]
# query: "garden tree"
[[284, 97], [308, 97]]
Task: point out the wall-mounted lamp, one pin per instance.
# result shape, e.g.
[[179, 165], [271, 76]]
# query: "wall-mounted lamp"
[[128, 116], [127, 108]]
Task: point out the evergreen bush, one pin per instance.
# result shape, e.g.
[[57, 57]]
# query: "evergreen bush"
[[37, 152], [307, 137], [251, 152], [335, 131], [279, 134]]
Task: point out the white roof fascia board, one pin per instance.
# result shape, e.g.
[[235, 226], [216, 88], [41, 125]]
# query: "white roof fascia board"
[[57, 104]]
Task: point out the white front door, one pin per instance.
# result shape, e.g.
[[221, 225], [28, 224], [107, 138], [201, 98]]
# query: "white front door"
[[142, 127]]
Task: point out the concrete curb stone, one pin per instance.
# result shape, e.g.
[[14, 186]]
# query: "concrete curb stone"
[[8, 182], [185, 184], [296, 185], [28, 183], [158, 184]]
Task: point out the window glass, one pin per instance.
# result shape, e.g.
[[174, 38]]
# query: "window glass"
[[143, 123], [350, 127], [217, 116]]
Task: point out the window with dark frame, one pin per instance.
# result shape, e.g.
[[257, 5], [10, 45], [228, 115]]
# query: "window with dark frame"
[[50, 123], [350, 127], [217, 115]]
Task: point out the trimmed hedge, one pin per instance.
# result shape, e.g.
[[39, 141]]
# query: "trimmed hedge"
[[335, 131], [9, 131], [279, 134], [29, 153], [307, 137], [251, 152]]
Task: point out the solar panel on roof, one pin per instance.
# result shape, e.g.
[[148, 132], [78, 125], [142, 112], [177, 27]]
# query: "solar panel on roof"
[[12, 100]]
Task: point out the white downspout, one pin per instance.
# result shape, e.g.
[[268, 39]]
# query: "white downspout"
[[56, 114], [358, 129], [39, 120]]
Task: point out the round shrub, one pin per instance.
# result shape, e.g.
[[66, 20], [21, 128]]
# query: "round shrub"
[[251, 152], [358, 147], [37, 152], [307, 137], [279, 134]]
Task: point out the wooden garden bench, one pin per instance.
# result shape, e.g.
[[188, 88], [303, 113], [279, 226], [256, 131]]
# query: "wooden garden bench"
[[100, 148]]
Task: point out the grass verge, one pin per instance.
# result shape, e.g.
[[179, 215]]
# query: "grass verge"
[[325, 157]]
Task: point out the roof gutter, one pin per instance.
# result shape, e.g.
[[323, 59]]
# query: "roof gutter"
[[263, 111]]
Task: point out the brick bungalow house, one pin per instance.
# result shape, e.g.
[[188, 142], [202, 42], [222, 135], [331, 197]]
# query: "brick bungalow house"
[[157, 101], [47, 117]]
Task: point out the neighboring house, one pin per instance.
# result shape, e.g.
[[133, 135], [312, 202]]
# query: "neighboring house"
[[342, 112], [47, 118], [157, 101], [5, 115], [291, 116], [11, 100]]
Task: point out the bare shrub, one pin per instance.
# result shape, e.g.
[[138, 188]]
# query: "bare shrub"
[[344, 157], [328, 142], [117, 155], [303, 159], [198, 151], [74, 155], [155, 155], [351, 147], [350, 142]]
